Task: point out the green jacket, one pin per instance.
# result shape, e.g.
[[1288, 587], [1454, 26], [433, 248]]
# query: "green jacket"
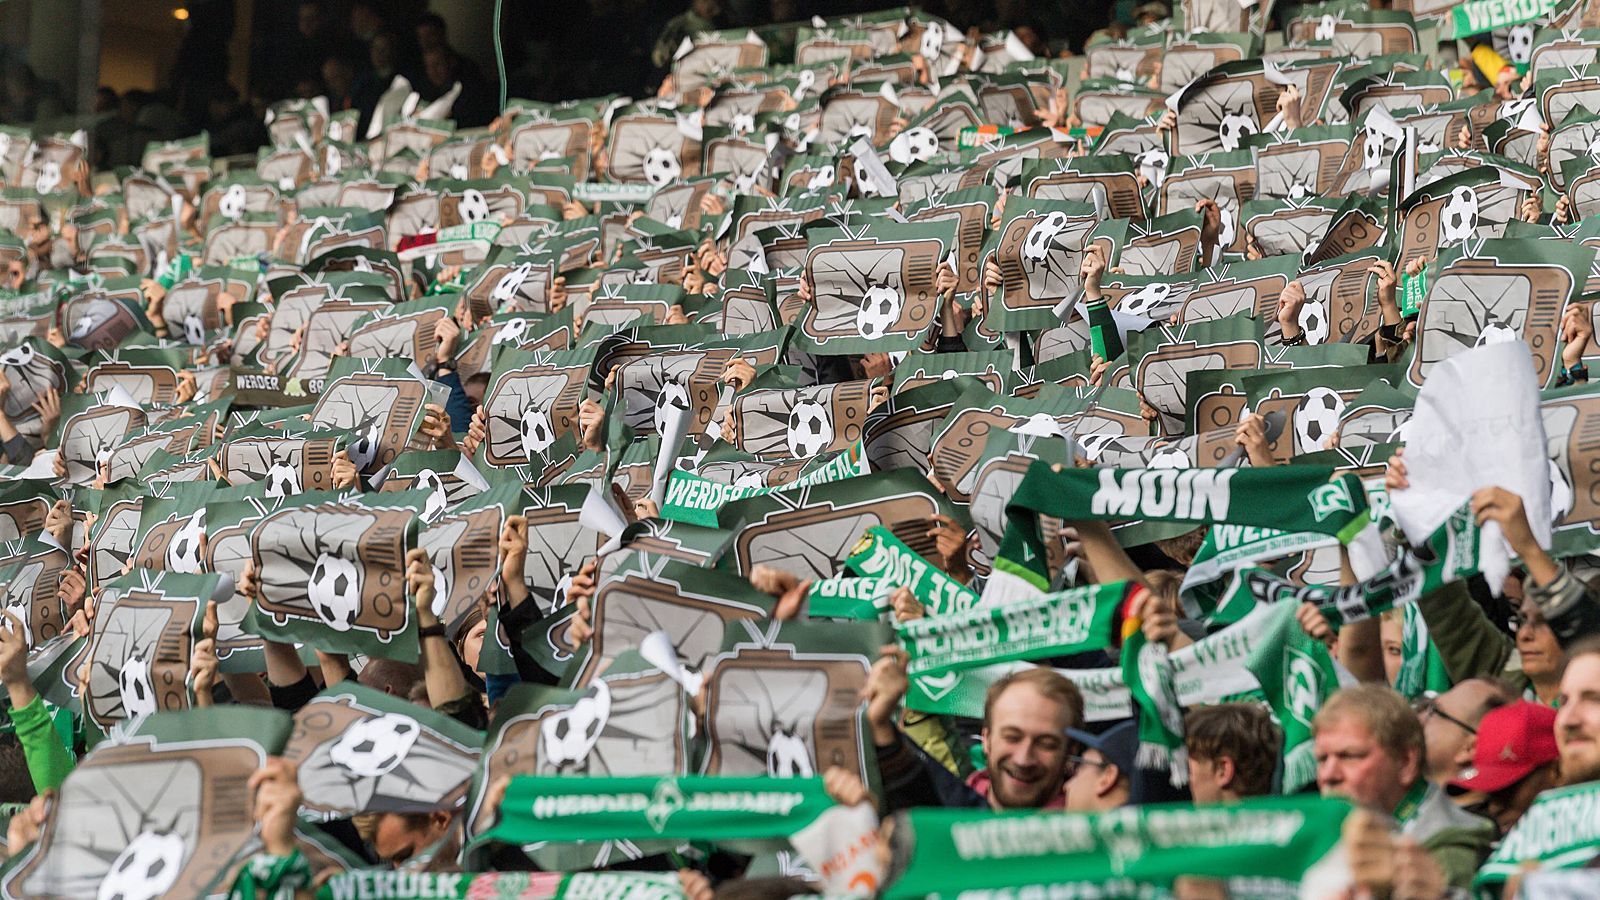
[[1469, 644], [49, 762], [1458, 840]]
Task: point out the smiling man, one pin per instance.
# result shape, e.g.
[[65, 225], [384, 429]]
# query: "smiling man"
[[1578, 718], [1025, 722]]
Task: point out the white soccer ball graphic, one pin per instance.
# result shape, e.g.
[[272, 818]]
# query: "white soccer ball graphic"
[[83, 325], [1153, 164], [506, 288], [566, 739], [1094, 445], [537, 432], [19, 356], [810, 429], [932, 43], [1314, 322], [661, 167], [1169, 457], [474, 207], [428, 480], [373, 747], [510, 331], [1371, 149], [914, 145], [1316, 418], [232, 202], [183, 550], [673, 395], [458, 171], [364, 449], [879, 311], [21, 606], [136, 688], [1036, 246], [1325, 29], [1519, 43], [1145, 300], [788, 756], [334, 591], [146, 868], [194, 329], [1233, 129], [283, 480], [824, 178], [1458, 218], [49, 177]]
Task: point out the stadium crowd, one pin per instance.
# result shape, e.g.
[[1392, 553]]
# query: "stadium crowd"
[[890, 461]]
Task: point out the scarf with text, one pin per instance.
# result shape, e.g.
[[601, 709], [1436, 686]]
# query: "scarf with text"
[[1134, 851]]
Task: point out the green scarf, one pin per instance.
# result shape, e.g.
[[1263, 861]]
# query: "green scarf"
[[695, 500], [1210, 670], [1422, 671], [1296, 674], [865, 599], [1450, 554], [271, 877], [362, 884], [690, 807], [1147, 671], [1134, 851], [1560, 831], [1041, 626], [1334, 505], [1227, 548], [879, 554]]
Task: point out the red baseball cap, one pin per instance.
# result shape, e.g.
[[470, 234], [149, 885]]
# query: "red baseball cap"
[[1513, 740]]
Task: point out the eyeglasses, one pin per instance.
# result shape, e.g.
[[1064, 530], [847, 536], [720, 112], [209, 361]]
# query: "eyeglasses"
[[1086, 761], [1429, 706], [1516, 620]]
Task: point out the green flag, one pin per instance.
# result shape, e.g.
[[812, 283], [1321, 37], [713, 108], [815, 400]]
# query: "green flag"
[[1296, 675], [880, 554]]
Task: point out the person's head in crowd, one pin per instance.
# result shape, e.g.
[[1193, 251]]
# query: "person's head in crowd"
[[1104, 770], [1368, 747], [1578, 717], [1032, 36], [309, 87], [432, 33], [397, 837], [365, 20], [1542, 657], [1450, 724], [707, 9], [1391, 639], [1516, 758], [338, 75], [391, 676], [1182, 548], [310, 18], [441, 65], [1151, 13], [106, 99], [1026, 717], [382, 53], [1233, 751]]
